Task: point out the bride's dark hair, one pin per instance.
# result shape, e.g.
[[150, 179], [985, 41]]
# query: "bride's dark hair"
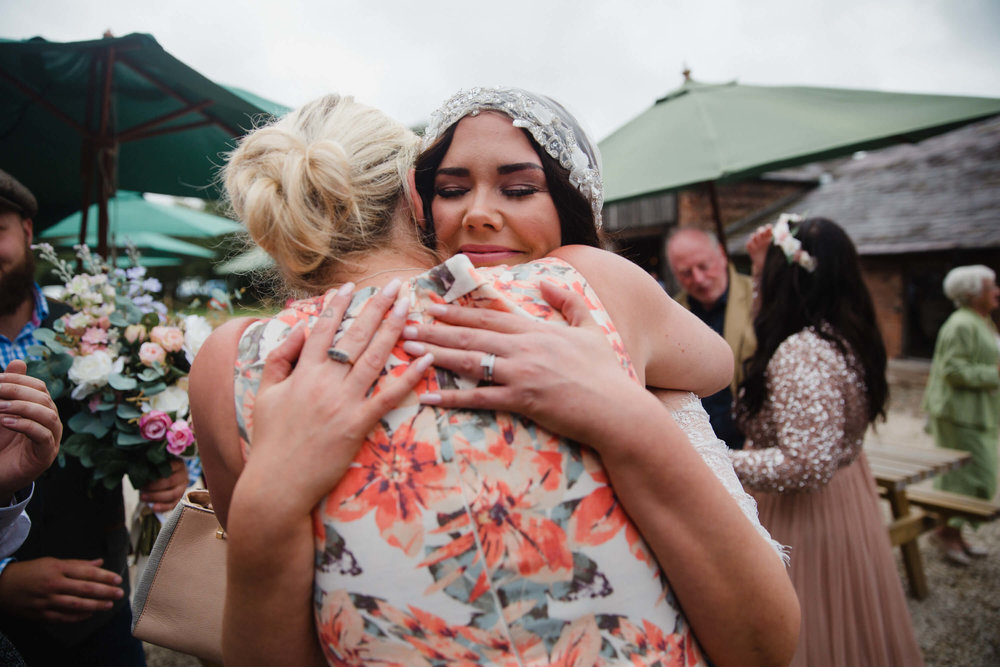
[[832, 300]]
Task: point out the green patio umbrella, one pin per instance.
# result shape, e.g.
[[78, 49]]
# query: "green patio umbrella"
[[152, 244], [80, 120], [129, 212], [708, 133]]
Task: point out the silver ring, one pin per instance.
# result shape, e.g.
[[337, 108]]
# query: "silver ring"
[[487, 363], [338, 355]]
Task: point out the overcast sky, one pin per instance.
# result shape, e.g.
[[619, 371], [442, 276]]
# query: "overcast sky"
[[606, 60]]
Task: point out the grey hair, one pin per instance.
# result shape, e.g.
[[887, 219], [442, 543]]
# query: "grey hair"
[[965, 283]]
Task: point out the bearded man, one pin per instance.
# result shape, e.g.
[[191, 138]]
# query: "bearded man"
[[64, 594]]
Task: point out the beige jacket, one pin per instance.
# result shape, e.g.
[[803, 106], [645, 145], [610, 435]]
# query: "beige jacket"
[[738, 327]]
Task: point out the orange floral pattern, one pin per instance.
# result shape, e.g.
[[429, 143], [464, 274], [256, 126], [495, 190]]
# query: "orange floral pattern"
[[469, 537]]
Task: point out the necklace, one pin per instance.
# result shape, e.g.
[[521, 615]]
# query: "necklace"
[[378, 273]]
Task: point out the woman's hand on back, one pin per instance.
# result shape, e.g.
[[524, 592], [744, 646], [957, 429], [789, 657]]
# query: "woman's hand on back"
[[562, 377], [312, 413]]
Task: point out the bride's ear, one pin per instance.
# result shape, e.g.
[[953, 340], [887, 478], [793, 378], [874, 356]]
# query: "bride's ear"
[[416, 203]]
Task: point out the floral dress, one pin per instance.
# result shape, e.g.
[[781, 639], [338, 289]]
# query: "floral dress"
[[474, 537]]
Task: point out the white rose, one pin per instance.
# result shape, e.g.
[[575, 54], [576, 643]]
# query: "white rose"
[[90, 372], [196, 330], [172, 399]]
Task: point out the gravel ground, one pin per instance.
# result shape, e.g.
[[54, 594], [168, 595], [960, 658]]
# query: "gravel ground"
[[958, 625]]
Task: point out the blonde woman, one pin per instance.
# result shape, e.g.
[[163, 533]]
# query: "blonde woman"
[[362, 532]]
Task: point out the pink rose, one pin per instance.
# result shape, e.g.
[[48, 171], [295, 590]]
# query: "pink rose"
[[170, 339], [151, 354], [179, 438], [95, 336], [154, 425], [135, 332]]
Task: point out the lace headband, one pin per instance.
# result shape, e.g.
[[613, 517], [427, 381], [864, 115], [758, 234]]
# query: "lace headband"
[[551, 125], [784, 238]]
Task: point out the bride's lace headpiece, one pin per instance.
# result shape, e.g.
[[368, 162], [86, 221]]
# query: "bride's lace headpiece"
[[784, 238], [551, 125]]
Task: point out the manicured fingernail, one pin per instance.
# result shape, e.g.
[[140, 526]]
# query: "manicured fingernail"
[[430, 398], [414, 348], [9, 421], [424, 362], [409, 331], [436, 309], [345, 289], [402, 307], [392, 288], [4, 405]]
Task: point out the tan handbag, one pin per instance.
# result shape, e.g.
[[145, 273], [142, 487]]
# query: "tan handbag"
[[180, 594]]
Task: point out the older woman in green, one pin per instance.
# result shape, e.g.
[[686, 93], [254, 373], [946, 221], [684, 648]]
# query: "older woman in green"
[[963, 394]]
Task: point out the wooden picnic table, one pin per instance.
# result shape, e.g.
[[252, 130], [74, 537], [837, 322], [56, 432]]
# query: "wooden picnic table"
[[895, 468]]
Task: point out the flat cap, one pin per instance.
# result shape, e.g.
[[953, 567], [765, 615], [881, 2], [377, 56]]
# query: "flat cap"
[[15, 196]]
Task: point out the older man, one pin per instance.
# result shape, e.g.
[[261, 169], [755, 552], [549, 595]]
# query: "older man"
[[722, 298], [64, 598]]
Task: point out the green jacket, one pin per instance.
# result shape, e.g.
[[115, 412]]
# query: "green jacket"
[[964, 383], [738, 327]]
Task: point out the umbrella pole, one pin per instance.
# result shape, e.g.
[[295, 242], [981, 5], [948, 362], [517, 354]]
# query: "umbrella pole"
[[106, 155], [720, 232]]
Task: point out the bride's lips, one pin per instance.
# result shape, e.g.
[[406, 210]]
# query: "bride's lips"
[[490, 254]]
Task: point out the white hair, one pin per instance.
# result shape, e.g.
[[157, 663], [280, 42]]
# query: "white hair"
[[965, 283]]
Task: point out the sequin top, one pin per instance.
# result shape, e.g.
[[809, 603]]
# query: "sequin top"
[[813, 420]]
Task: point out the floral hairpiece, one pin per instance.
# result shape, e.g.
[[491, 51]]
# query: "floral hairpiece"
[[551, 125], [784, 238]]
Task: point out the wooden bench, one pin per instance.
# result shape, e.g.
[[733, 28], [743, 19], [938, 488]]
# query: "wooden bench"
[[946, 504]]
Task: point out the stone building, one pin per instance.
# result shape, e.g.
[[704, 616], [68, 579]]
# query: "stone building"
[[913, 210]]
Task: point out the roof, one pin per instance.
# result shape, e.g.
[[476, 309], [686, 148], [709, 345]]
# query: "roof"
[[940, 194]]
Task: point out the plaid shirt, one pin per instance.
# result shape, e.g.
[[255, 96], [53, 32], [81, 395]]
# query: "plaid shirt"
[[18, 349]]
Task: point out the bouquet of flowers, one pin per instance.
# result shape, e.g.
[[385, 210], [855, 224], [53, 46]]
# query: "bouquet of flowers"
[[125, 359]]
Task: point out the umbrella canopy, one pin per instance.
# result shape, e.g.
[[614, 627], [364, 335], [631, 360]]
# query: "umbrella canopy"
[[706, 133], [153, 244], [79, 120], [130, 212]]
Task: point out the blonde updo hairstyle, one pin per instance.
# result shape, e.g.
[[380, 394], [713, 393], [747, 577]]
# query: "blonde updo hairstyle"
[[320, 186], [965, 283]]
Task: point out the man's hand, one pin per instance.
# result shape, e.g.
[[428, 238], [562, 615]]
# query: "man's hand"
[[163, 494], [30, 429], [59, 590]]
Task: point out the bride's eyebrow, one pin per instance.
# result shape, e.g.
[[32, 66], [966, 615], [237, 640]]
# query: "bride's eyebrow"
[[502, 169], [518, 166], [452, 171]]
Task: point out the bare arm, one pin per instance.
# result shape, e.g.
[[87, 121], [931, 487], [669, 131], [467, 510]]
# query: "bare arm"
[[670, 347], [569, 380], [269, 613], [213, 412]]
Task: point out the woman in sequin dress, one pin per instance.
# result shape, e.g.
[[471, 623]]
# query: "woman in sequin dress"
[[460, 536], [810, 391]]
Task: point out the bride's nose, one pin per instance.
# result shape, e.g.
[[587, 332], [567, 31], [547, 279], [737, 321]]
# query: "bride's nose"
[[483, 214]]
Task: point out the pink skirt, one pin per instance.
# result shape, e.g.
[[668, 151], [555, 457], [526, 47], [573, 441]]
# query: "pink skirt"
[[843, 570]]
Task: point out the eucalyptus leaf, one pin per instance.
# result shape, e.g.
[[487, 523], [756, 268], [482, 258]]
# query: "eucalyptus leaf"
[[153, 389], [60, 364], [118, 319], [128, 411], [124, 439], [150, 374], [85, 422], [121, 382], [45, 335], [76, 442]]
